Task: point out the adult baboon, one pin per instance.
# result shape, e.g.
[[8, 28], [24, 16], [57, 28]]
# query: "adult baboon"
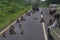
[[18, 20], [11, 30], [55, 20]]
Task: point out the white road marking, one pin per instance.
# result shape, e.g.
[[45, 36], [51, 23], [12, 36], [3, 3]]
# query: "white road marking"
[[44, 31], [45, 34], [41, 16]]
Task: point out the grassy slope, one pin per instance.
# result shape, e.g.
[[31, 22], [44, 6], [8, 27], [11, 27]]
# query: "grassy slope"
[[10, 11]]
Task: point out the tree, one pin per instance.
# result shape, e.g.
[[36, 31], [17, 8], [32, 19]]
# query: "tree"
[[53, 1]]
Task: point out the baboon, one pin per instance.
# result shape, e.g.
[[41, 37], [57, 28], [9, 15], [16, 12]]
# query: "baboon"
[[35, 7], [22, 18], [18, 20], [56, 18], [28, 13], [11, 30], [4, 34], [50, 22], [20, 25], [41, 12], [22, 32], [42, 20]]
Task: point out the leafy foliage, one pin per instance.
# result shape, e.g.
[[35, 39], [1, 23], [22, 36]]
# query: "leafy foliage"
[[11, 10], [53, 1]]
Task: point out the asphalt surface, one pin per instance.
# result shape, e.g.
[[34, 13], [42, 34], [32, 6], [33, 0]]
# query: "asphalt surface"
[[32, 27]]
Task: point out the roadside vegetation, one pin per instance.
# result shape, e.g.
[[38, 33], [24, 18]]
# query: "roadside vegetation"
[[10, 10]]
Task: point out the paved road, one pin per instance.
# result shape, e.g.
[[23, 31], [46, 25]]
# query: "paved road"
[[33, 29]]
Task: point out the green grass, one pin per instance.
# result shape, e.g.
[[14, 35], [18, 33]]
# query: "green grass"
[[11, 17], [11, 10]]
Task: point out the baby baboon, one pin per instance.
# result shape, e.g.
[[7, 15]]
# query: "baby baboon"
[[42, 20]]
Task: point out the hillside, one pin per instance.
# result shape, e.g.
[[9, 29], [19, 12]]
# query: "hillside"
[[10, 10]]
